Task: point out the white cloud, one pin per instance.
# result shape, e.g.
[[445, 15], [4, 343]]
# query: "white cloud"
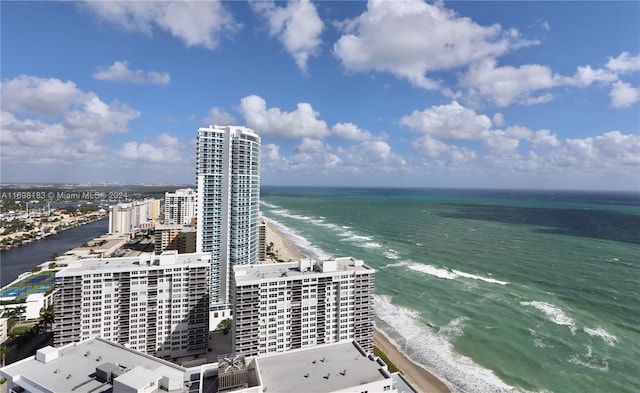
[[273, 122], [542, 138], [451, 121], [119, 71], [218, 116], [48, 97], [372, 157], [610, 150], [507, 84], [586, 75], [499, 142], [311, 146], [350, 132], [77, 121], [498, 119], [428, 146], [97, 118], [297, 26], [624, 63], [411, 38], [165, 149], [197, 23], [623, 95]]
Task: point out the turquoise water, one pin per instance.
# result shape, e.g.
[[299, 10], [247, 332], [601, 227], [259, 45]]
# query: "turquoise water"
[[491, 290]]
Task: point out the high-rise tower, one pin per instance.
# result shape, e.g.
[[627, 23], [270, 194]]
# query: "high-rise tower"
[[228, 180]]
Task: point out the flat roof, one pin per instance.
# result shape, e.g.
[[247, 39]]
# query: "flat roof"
[[140, 261], [75, 367], [326, 368], [285, 270]]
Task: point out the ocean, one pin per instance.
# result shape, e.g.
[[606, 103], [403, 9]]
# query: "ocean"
[[493, 291]]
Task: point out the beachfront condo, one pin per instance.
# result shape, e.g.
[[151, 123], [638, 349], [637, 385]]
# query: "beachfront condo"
[[228, 183], [280, 307], [155, 304]]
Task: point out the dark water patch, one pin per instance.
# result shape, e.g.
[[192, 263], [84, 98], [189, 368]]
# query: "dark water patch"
[[596, 224]]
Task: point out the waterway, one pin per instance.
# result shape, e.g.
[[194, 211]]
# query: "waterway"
[[24, 258]]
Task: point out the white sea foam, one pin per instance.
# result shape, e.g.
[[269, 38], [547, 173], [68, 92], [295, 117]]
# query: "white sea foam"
[[297, 240], [554, 314], [601, 333], [270, 205], [481, 278], [588, 360], [538, 341], [454, 329], [434, 351], [391, 254], [433, 271], [449, 274], [371, 245]]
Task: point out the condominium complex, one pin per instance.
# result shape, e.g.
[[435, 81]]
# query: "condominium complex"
[[125, 217], [180, 206], [283, 306], [228, 182], [156, 304]]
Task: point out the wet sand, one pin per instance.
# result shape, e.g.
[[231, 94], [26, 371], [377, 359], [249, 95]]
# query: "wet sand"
[[421, 379]]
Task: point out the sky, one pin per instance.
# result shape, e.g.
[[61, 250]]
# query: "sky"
[[533, 95]]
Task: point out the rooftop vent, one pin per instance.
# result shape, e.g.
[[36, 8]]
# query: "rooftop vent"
[[232, 372]]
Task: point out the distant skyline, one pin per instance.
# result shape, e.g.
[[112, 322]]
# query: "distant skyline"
[[536, 95]]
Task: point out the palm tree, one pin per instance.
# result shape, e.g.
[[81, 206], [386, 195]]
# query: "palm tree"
[[19, 311], [4, 351], [47, 316]]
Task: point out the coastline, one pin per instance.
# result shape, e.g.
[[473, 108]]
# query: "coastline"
[[281, 247], [420, 378]]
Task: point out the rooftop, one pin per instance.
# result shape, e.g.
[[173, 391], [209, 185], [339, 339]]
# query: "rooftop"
[[144, 261], [327, 368], [248, 273], [74, 367]]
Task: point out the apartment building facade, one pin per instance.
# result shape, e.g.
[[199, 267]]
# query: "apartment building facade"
[[180, 206], [155, 304], [279, 307], [228, 187], [127, 216]]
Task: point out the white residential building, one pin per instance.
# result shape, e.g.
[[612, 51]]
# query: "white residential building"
[[284, 306], [156, 304], [228, 179], [126, 217], [180, 206]]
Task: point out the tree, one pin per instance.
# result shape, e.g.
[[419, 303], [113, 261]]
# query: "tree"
[[47, 316], [4, 351], [225, 325]]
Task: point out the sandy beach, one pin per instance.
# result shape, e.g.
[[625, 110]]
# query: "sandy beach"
[[281, 246], [421, 379]]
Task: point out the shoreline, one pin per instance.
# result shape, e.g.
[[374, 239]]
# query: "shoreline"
[[46, 235], [281, 246], [419, 377]]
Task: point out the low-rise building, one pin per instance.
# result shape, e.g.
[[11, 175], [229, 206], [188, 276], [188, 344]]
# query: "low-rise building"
[[95, 365], [98, 365]]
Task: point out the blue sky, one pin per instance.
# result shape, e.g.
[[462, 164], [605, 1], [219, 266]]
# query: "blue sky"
[[448, 94]]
